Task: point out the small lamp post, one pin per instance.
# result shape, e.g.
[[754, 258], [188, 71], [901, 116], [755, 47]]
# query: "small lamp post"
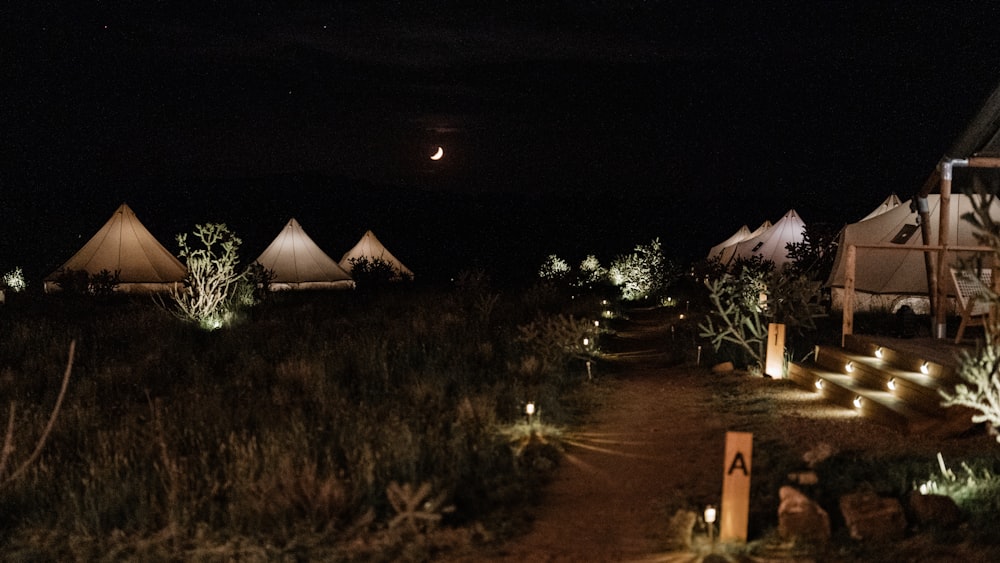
[[710, 514], [529, 409]]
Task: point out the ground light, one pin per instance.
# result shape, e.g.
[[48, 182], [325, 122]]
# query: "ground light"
[[891, 384], [529, 409], [879, 352], [857, 402], [849, 367], [819, 384], [925, 368], [710, 514]]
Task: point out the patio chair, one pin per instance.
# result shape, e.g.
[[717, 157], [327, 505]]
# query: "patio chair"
[[973, 301]]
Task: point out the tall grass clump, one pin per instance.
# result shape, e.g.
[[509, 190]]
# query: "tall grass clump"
[[301, 433]]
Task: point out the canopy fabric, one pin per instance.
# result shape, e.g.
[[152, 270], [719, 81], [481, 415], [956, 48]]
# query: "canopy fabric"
[[741, 234], [371, 248], [125, 246], [728, 251], [772, 243], [900, 272], [299, 263], [890, 203]]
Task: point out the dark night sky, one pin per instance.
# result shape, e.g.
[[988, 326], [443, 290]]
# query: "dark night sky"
[[571, 127]]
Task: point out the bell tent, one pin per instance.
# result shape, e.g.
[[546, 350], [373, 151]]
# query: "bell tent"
[[771, 244], [885, 279], [124, 246], [370, 248], [727, 251], [299, 263], [742, 234], [889, 204]]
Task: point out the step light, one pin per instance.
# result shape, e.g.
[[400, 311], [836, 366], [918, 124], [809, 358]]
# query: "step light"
[[925, 368], [879, 352], [857, 402], [819, 384], [891, 384], [849, 367]]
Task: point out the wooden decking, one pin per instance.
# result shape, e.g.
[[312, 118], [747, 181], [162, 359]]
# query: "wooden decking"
[[895, 381]]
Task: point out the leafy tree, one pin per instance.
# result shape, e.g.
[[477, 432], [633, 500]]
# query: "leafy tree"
[[553, 268], [813, 257], [644, 273]]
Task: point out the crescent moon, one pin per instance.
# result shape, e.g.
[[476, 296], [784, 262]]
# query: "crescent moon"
[[438, 155]]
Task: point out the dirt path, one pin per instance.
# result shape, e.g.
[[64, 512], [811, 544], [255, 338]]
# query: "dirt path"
[[608, 500]]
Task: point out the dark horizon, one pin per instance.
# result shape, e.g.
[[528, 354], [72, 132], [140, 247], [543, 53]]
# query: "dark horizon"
[[568, 128]]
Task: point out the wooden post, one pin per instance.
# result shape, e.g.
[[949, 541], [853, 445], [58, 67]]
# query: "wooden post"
[[736, 487], [852, 264], [774, 361], [944, 225]]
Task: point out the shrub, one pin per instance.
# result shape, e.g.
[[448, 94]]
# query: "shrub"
[[645, 273], [207, 295]]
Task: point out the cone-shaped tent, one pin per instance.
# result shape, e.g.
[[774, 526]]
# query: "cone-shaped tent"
[[125, 246], [741, 234], [299, 263], [369, 247], [895, 273], [772, 243], [728, 251], [889, 204]]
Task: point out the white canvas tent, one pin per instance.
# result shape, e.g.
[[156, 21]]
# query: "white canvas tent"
[[299, 263], [371, 248], [727, 251], [741, 234], [125, 246], [889, 204], [885, 279], [771, 244]]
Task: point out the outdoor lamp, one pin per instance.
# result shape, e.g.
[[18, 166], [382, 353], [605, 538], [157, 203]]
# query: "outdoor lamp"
[[857, 402], [849, 367], [819, 384], [710, 515], [925, 368], [878, 352], [586, 341], [891, 384], [529, 409]]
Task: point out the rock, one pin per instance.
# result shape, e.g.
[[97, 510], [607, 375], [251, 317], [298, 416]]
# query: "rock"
[[934, 510], [724, 367], [871, 517], [800, 518]]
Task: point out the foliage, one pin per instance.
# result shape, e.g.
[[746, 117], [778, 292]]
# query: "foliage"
[[591, 273], [743, 304], [813, 257], [80, 282], [374, 273], [553, 268], [252, 289], [14, 281], [206, 298], [8, 442], [554, 340], [276, 442], [981, 371], [645, 273]]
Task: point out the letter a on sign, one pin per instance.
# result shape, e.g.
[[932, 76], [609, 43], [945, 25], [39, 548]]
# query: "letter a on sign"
[[736, 487]]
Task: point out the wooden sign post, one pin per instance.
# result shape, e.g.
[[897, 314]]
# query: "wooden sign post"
[[774, 361], [736, 487]]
